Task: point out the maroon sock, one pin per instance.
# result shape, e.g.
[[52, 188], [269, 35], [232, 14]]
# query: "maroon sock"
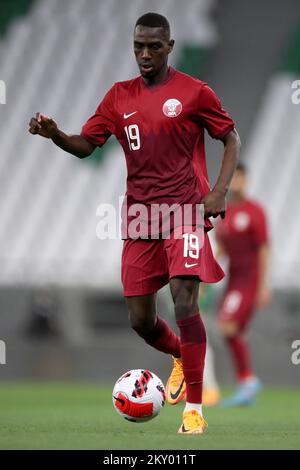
[[163, 338], [241, 357], [193, 348]]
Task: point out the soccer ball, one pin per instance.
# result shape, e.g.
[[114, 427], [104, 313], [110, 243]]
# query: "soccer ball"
[[138, 395]]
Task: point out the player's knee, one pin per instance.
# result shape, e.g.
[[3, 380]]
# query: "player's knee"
[[229, 329], [185, 305], [137, 324], [140, 324]]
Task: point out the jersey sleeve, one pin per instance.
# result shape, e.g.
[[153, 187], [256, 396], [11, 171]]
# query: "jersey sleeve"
[[211, 114], [260, 226], [101, 125]]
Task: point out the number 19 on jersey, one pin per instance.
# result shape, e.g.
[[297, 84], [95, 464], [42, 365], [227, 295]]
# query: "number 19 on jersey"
[[133, 136]]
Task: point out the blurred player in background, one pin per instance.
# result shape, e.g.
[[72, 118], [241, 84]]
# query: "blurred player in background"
[[243, 238], [159, 119]]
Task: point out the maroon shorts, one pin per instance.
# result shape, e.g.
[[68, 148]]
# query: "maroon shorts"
[[238, 304], [147, 265]]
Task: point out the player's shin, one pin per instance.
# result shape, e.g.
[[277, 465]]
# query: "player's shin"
[[193, 347], [240, 353]]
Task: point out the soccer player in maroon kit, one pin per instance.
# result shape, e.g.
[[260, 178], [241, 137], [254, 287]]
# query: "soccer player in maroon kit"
[[159, 118], [243, 238]]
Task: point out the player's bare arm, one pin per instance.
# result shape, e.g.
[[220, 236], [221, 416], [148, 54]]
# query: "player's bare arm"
[[215, 201], [46, 127]]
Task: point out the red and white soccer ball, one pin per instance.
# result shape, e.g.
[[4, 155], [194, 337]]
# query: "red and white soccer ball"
[[138, 395]]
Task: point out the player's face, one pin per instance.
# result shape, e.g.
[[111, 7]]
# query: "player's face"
[[238, 182], [151, 48]]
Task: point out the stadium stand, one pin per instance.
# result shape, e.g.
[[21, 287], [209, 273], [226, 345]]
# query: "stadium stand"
[[273, 157]]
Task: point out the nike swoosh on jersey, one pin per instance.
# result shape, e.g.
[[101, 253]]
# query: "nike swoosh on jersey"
[[126, 116], [190, 265], [176, 395]]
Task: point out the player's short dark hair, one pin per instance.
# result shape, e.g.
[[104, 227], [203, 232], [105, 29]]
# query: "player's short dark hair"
[[154, 20], [241, 167]]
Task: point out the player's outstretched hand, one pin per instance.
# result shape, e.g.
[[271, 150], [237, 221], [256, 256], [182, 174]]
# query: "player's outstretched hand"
[[43, 125], [214, 205]]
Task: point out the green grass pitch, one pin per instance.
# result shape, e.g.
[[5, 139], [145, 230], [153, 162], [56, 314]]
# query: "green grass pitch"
[[60, 416]]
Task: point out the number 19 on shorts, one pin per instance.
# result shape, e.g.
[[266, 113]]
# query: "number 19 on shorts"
[[133, 136], [191, 247]]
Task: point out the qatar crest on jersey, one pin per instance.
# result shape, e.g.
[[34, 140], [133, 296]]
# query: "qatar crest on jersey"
[[172, 108], [241, 221]]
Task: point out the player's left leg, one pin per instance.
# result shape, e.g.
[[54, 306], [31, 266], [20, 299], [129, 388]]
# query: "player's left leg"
[[190, 259], [185, 291]]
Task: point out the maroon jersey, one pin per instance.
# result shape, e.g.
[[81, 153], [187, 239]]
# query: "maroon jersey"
[[241, 234], [161, 130]]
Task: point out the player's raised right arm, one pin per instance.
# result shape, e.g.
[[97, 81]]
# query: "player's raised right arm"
[[47, 127]]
